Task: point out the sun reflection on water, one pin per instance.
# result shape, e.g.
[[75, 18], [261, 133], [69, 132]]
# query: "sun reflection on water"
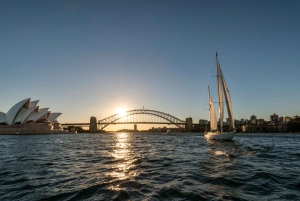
[[122, 145], [123, 165]]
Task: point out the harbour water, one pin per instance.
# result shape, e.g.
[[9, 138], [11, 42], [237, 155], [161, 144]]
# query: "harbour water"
[[140, 166]]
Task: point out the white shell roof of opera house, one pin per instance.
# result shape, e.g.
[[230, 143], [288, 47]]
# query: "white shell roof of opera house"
[[27, 111]]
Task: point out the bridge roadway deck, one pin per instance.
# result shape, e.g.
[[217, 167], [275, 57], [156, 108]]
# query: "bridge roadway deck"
[[88, 124]]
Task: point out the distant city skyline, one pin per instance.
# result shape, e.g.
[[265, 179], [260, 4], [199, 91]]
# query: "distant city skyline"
[[89, 58]]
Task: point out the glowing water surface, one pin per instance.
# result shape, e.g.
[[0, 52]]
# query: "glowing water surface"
[[140, 166]]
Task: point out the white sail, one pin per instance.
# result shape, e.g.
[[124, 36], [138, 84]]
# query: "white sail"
[[212, 115], [220, 92], [228, 102], [214, 133]]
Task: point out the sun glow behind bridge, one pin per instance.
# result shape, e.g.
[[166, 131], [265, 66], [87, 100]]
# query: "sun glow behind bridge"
[[121, 111]]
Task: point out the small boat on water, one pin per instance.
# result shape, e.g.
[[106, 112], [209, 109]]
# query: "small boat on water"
[[216, 133], [169, 132]]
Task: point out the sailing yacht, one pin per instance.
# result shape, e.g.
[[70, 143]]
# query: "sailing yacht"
[[216, 133]]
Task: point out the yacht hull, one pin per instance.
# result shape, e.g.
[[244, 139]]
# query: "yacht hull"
[[219, 136]]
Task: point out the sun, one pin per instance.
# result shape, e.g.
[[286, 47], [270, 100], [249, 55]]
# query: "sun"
[[121, 111]]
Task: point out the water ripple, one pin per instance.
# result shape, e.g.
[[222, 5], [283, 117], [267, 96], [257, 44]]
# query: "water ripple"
[[127, 166]]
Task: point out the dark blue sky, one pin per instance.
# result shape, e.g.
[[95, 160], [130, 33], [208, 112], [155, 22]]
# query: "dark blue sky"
[[156, 54]]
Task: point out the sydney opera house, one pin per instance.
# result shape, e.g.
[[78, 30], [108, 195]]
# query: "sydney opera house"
[[26, 117]]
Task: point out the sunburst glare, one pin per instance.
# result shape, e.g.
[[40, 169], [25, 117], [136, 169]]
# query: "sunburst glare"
[[121, 111]]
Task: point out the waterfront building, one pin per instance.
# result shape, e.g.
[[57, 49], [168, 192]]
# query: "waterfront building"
[[253, 119], [276, 124], [203, 121], [287, 119], [244, 128], [135, 127], [274, 117], [27, 117], [261, 121], [242, 121], [246, 121]]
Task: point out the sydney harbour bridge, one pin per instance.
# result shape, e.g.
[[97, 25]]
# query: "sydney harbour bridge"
[[137, 116]]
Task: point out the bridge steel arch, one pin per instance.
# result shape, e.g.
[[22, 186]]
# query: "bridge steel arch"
[[162, 118]]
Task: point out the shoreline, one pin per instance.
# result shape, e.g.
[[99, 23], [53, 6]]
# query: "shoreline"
[[75, 132], [38, 132]]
